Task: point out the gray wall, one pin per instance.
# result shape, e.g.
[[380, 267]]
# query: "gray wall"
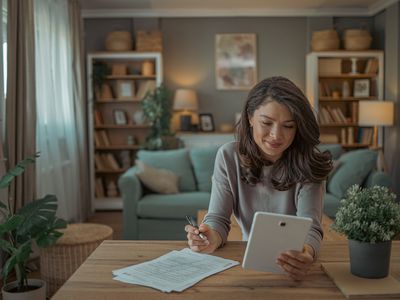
[[188, 53]]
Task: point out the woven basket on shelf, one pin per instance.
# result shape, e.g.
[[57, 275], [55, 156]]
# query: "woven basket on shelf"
[[119, 41], [325, 40], [357, 39], [60, 261], [150, 41]]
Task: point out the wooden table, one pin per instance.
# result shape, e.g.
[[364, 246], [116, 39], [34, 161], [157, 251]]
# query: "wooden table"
[[93, 280]]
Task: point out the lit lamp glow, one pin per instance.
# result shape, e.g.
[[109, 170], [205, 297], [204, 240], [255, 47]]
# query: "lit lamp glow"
[[185, 100], [375, 113]]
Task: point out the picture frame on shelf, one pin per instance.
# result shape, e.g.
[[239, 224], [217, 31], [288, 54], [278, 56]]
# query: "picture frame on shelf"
[[120, 117], [235, 61], [361, 88], [206, 122], [125, 89]]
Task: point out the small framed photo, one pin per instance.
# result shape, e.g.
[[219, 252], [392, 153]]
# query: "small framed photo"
[[120, 117], [361, 88], [125, 89], [206, 122]]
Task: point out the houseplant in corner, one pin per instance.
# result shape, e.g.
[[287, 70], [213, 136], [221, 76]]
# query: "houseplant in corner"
[[157, 109], [370, 218], [36, 222]]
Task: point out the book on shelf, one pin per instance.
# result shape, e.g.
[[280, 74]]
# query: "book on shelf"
[[101, 138], [98, 161], [99, 188], [145, 86], [328, 138], [98, 118], [354, 112], [112, 162], [372, 66], [350, 135], [365, 135], [343, 138]]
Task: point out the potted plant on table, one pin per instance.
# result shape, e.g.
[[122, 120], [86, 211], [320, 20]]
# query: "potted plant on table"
[[157, 109], [36, 222], [370, 218]]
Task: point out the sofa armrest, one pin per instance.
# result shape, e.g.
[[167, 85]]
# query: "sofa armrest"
[[131, 191], [378, 178]]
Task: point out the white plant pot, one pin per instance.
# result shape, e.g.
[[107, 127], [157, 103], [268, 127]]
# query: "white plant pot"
[[36, 294]]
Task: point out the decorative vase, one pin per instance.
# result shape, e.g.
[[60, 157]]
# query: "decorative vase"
[[369, 260], [39, 293]]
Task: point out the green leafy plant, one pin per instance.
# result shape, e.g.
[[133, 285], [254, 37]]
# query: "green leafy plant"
[[34, 222], [368, 215], [100, 71], [157, 109]]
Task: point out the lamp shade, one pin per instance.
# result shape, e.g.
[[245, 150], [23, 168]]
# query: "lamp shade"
[[375, 113], [185, 99]]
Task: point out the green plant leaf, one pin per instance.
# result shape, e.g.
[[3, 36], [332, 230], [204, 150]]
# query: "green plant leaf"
[[8, 266], [11, 224], [6, 246], [6, 180]]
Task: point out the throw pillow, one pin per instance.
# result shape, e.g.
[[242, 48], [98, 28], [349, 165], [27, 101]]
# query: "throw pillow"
[[335, 149], [203, 165], [177, 161], [336, 164], [158, 180], [355, 167]]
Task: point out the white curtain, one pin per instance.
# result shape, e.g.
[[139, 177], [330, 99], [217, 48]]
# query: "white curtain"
[[57, 132]]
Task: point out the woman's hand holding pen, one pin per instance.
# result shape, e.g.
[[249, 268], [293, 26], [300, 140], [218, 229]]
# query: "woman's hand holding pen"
[[208, 245]]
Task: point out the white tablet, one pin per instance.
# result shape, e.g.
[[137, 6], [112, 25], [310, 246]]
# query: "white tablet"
[[270, 235]]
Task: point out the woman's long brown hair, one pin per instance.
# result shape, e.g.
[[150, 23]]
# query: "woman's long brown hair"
[[302, 161]]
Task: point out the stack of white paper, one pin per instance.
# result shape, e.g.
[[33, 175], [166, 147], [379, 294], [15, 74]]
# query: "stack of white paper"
[[174, 271]]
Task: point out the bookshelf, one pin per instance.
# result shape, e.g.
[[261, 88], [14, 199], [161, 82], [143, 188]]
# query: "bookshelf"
[[335, 83], [117, 82]]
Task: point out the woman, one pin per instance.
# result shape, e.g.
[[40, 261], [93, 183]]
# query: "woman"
[[273, 166]]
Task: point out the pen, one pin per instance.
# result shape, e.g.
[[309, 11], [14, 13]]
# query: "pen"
[[194, 224]]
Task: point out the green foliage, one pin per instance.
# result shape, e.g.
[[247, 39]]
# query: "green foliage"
[[368, 215], [157, 109], [35, 222], [100, 71]]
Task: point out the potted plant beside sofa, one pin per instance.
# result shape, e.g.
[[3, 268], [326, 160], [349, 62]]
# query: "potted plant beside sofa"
[[36, 222], [157, 110], [370, 218]]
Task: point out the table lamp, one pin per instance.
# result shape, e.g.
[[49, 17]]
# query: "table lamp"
[[185, 100], [375, 113]]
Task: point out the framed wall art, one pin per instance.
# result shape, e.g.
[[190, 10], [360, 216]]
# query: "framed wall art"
[[120, 117], [125, 89], [235, 61], [361, 88], [206, 122]]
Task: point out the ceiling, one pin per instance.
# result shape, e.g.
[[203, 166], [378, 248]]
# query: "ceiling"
[[231, 8]]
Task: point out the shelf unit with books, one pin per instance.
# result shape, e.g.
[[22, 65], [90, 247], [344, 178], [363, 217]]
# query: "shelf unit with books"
[[117, 82], [335, 83]]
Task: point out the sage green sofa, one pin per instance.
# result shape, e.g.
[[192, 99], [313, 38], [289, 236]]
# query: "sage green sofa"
[[149, 216]]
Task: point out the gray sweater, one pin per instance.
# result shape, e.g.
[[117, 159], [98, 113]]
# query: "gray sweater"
[[230, 194]]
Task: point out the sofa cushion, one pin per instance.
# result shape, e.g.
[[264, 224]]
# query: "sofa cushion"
[[177, 161], [331, 205], [172, 206], [354, 168], [166, 183], [203, 166], [335, 149]]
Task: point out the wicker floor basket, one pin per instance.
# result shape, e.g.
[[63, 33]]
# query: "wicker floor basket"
[[60, 261]]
